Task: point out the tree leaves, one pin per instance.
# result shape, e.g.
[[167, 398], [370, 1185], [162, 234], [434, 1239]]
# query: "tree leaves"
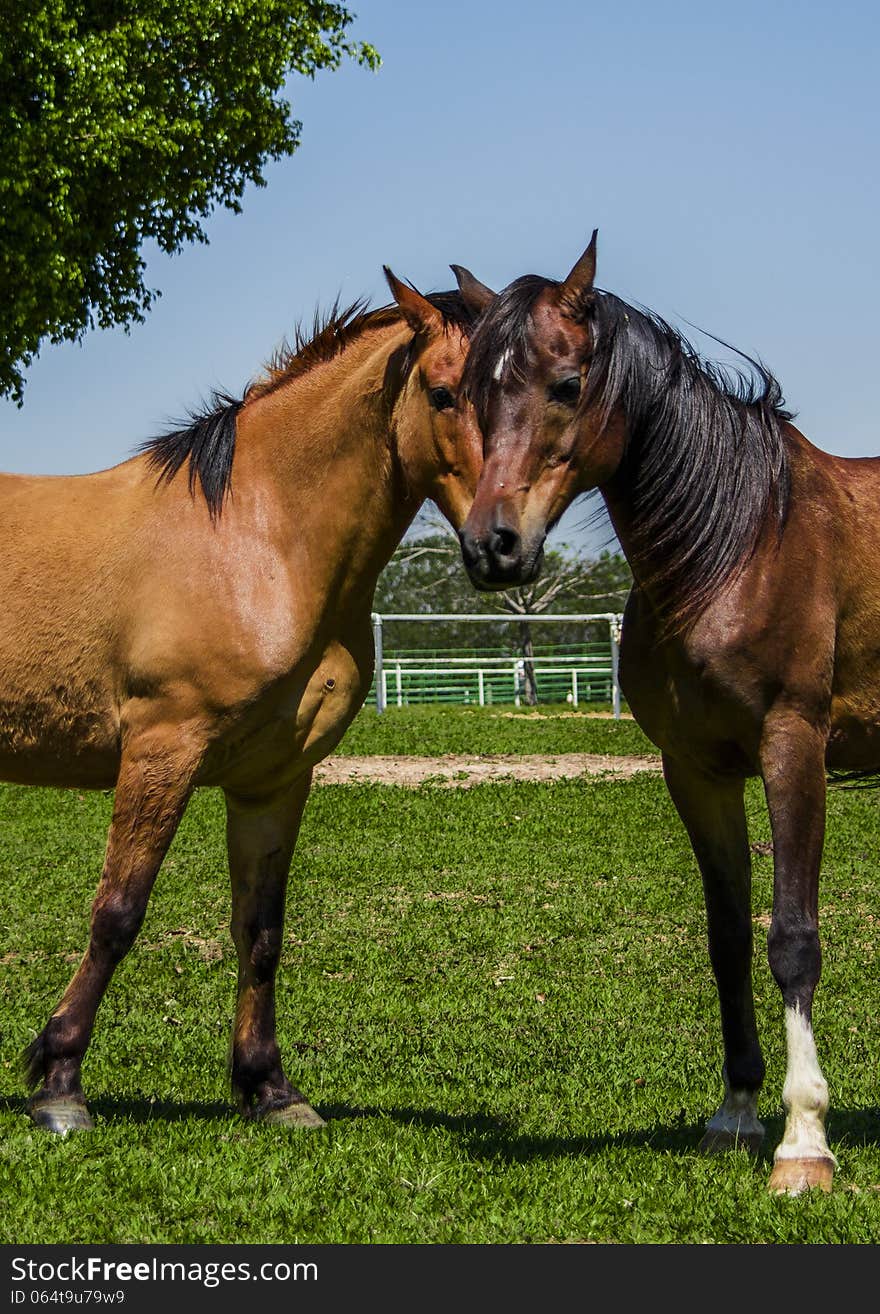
[[127, 120]]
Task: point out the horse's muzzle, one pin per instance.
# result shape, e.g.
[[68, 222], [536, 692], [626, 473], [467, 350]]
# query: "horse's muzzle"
[[500, 559]]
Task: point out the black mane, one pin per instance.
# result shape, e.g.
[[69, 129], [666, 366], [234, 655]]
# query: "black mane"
[[206, 440], [705, 463], [207, 443]]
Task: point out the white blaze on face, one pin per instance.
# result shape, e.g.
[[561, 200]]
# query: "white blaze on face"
[[805, 1094], [499, 368]]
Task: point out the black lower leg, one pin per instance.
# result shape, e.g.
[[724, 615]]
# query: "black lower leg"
[[53, 1059], [261, 835], [714, 814], [145, 818]]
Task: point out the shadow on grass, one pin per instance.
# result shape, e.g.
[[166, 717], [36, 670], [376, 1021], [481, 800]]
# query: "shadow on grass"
[[139, 1110], [493, 1138], [489, 1137], [485, 1136]]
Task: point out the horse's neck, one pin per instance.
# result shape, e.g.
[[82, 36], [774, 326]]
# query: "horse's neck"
[[621, 515], [619, 502], [692, 534], [319, 451], [652, 555]]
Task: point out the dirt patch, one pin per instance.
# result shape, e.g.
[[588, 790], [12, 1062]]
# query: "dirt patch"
[[560, 716], [461, 770], [210, 951]]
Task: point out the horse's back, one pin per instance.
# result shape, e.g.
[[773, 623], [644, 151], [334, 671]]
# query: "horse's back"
[[844, 526], [62, 546]]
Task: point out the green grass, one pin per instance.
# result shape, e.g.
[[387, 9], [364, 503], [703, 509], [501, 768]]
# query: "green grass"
[[547, 729], [500, 997]]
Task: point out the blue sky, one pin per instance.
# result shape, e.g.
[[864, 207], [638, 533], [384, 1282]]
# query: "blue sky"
[[727, 154]]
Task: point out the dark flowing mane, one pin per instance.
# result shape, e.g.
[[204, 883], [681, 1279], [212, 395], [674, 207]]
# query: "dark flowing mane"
[[705, 463], [207, 438]]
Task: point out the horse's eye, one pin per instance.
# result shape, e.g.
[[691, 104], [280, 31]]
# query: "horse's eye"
[[441, 399], [566, 391]]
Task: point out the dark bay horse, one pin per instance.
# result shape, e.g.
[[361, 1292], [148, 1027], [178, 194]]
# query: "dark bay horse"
[[200, 615], [751, 639]]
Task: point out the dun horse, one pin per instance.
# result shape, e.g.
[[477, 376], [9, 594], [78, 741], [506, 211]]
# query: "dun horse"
[[200, 615], [751, 637]]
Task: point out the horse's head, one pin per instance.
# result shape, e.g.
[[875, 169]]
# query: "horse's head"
[[439, 444], [546, 438]]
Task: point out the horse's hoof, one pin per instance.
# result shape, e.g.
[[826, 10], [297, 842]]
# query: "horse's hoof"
[[300, 1114], [61, 1114], [793, 1176], [719, 1142]]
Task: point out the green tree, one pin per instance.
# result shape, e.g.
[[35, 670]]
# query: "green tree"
[[128, 120]]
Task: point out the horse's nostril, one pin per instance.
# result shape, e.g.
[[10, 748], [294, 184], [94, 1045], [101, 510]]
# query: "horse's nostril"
[[469, 549], [505, 542]]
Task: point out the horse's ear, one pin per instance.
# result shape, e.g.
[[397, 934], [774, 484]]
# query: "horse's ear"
[[580, 281], [476, 295], [417, 310]]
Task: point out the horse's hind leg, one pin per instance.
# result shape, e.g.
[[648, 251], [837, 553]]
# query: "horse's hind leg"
[[261, 834], [151, 794], [793, 767], [715, 819]]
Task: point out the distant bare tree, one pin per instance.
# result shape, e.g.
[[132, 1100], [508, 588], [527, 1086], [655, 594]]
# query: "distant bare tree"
[[565, 581]]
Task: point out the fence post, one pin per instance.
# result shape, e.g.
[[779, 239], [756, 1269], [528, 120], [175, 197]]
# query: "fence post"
[[377, 644], [615, 627], [481, 688], [574, 688], [399, 686]]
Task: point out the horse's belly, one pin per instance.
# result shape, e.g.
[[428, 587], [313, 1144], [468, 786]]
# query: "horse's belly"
[[854, 742], [854, 739], [58, 741]]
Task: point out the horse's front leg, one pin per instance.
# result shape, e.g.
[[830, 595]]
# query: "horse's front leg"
[[261, 835], [793, 768], [714, 817], [154, 784]]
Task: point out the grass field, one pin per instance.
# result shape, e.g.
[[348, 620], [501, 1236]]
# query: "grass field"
[[499, 997], [418, 730]]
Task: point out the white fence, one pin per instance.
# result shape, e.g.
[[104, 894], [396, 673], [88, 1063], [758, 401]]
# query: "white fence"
[[580, 669]]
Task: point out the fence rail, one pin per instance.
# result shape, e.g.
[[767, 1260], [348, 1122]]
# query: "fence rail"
[[491, 678]]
